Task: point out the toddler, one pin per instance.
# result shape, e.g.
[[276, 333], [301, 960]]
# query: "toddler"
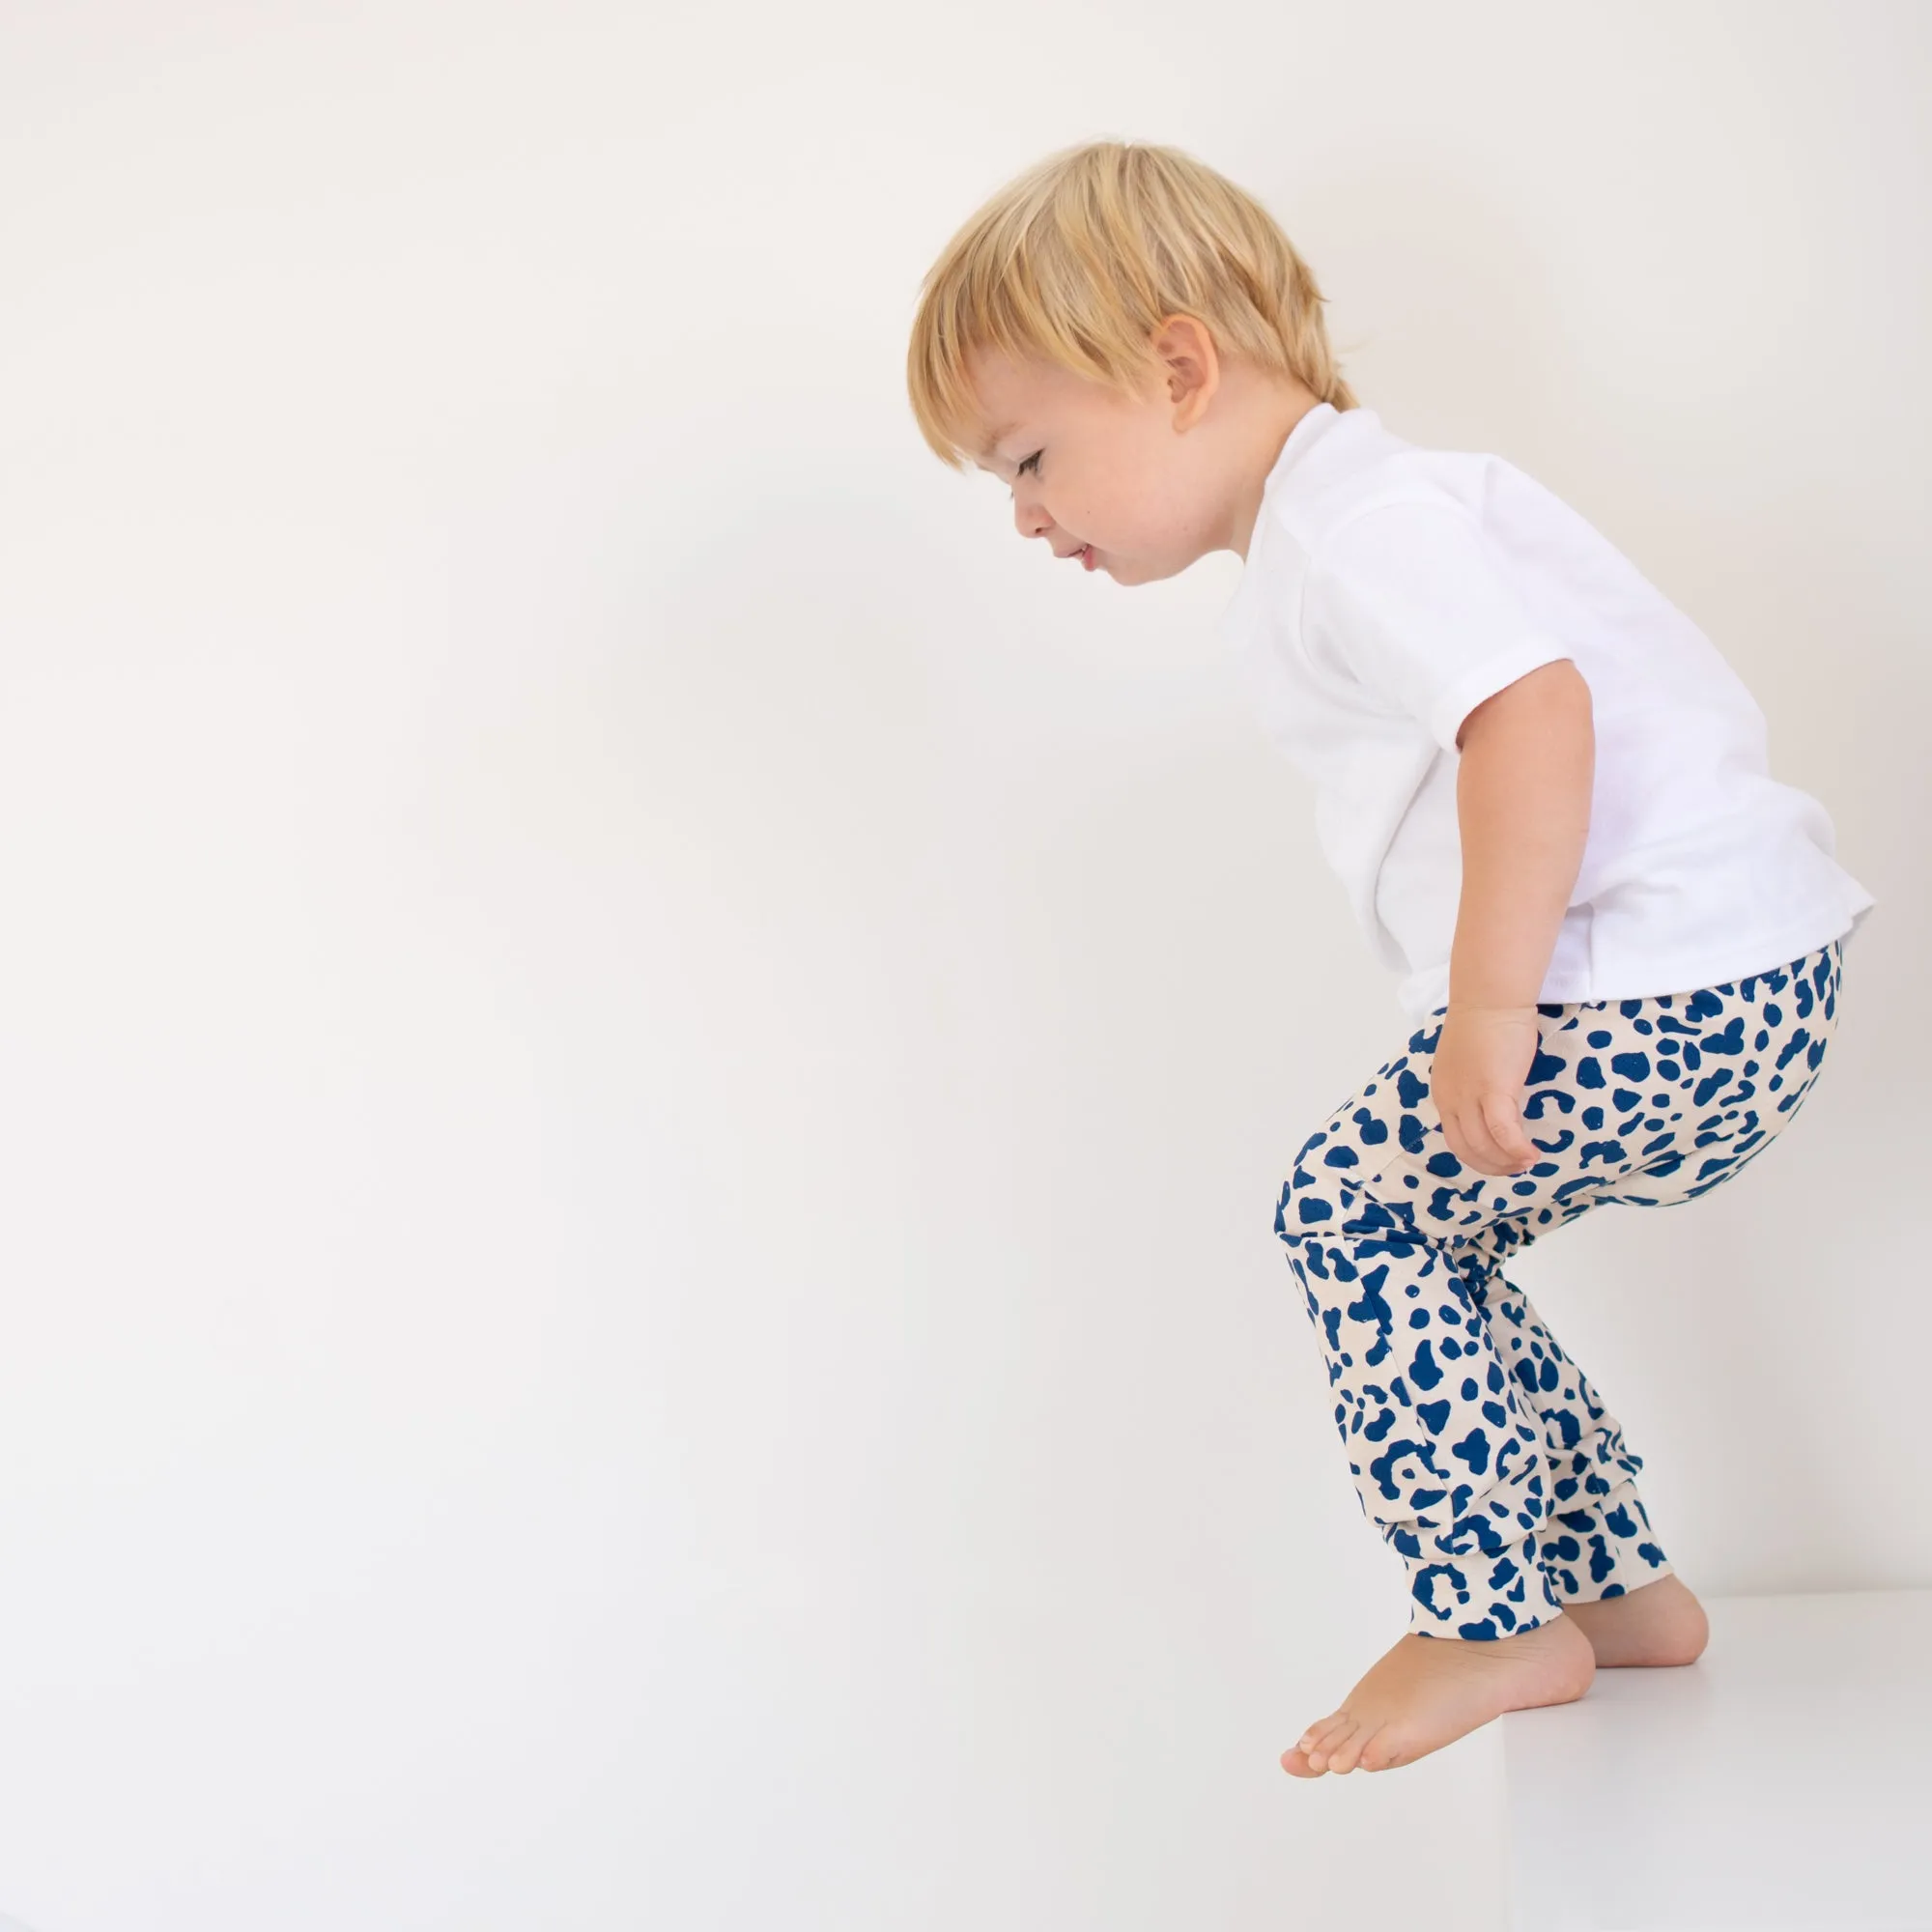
[[1547, 794]]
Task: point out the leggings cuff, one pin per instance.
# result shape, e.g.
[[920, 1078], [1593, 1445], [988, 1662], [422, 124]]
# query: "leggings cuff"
[[1481, 1597], [1603, 1547]]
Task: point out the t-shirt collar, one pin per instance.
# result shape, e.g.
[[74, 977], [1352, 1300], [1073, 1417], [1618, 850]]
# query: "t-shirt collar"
[[1304, 433], [1299, 440]]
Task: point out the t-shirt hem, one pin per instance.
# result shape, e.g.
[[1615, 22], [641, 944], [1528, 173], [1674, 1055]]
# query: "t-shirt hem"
[[1693, 975]]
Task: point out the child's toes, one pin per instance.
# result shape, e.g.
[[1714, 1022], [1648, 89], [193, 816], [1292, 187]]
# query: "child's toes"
[[1319, 1729], [1330, 1738], [1310, 1741], [1383, 1750], [1306, 1759], [1347, 1752]]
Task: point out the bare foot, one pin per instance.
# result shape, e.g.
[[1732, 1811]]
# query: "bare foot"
[[1660, 1624], [1427, 1691]]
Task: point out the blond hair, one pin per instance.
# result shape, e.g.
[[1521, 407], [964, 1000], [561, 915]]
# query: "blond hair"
[[1079, 260]]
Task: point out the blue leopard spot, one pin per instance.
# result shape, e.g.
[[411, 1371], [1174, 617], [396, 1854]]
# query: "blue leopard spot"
[[1383, 1468], [1423, 1589]]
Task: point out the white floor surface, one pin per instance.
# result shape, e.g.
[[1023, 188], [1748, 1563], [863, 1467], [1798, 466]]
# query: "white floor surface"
[[1782, 1784]]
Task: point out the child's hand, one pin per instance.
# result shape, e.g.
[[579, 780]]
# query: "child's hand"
[[1482, 1061]]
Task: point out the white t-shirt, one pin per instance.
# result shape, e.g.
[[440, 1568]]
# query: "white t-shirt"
[[1388, 590]]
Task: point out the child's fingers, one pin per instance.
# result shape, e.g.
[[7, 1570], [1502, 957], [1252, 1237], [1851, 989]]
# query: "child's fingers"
[[1503, 1120], [1494, 1134]]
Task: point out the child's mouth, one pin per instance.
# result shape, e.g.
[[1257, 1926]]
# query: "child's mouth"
[[1087, 556]]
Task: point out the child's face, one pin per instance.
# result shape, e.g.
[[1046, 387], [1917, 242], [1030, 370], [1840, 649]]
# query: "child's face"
[[1143, 485]]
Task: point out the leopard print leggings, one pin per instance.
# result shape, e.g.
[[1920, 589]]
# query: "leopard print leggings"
[[1480, 1451]]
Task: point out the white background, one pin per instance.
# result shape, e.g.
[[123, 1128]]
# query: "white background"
[[645, 1065]]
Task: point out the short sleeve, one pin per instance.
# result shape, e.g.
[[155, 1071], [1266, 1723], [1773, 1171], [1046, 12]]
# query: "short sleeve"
[[1406, 600]]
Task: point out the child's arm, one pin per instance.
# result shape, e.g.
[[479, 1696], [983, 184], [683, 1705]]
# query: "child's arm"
[[1522, 804]]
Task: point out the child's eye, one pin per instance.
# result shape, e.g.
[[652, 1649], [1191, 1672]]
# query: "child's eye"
[[1032, 462]]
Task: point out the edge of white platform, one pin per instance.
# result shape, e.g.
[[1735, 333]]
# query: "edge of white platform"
[[1685, 1800]]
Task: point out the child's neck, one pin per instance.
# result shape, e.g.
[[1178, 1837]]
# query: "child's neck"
[[1266, 409]]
